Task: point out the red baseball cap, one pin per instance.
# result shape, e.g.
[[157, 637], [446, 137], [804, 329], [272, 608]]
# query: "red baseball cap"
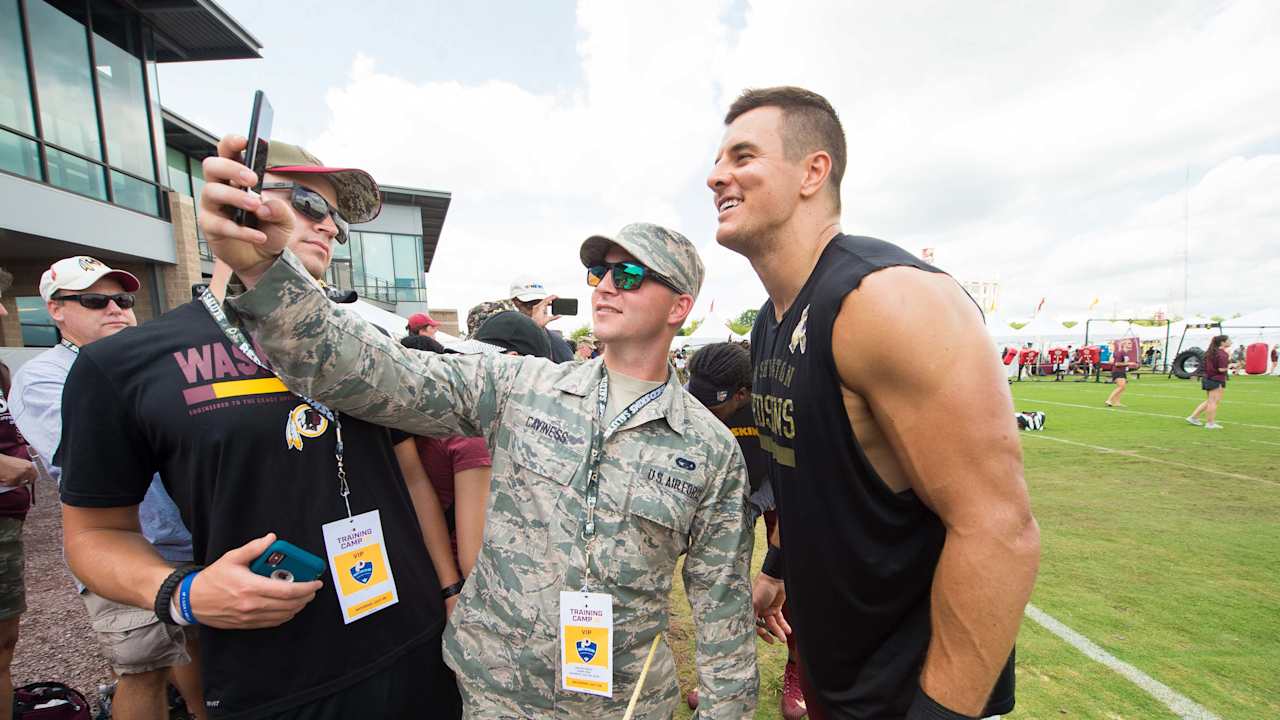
[[417, 321]]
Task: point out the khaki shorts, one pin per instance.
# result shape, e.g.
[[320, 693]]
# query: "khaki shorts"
[[13, 593], [134, 640]]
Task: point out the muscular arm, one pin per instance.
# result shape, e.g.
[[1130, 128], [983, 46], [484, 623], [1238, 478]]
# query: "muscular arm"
[[430, 515], [135, 571], [913, 346], [715, 578]]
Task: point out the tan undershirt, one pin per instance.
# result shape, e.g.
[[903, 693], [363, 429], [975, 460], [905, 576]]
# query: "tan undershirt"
[[623, 390]]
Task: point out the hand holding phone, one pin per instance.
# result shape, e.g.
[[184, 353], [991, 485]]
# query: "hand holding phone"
[[227, 594]]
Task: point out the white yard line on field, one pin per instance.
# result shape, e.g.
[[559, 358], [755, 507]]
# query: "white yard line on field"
[[1181, 705], [1135, 412], [1265, 442], [1162, 461]]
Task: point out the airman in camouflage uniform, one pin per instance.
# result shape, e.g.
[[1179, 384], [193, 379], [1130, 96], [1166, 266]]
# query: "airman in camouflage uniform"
[[672, 482]]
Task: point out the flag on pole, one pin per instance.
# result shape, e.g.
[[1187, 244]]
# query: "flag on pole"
[[1039, 307], [1092, 304]]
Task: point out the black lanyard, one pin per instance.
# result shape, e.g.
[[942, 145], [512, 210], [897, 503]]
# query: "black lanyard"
[[602, 434], [241, 341]]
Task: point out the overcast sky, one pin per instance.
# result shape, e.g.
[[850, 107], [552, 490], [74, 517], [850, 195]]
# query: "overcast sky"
[[1069, 151]]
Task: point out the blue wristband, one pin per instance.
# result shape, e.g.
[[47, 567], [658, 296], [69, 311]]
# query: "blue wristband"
[[184, 598]]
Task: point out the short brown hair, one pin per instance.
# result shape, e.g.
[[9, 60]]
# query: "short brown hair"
[[809, 123]]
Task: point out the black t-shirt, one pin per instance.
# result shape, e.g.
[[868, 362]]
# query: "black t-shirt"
[[860, 557], [743, 426], [174, 396]]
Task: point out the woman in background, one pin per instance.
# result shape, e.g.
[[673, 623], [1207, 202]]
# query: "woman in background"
[[1214, 382]]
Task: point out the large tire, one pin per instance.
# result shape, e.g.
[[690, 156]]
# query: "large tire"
[[1188, 363]]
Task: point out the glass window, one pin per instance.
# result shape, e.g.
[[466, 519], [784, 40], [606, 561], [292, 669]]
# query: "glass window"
[[67, 114], [408, 254], [76, 174], [133, 193], [357, 259], [179, 178], [37, 327], [15, 89], [379, 265], [18, 155], [116, 51]]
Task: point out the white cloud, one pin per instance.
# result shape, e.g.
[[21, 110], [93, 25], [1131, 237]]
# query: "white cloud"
[[1044, 147]]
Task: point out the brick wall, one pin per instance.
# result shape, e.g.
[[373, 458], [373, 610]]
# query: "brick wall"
[[179, 278]]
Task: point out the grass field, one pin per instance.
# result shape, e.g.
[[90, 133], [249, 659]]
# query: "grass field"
[[1161, 544]]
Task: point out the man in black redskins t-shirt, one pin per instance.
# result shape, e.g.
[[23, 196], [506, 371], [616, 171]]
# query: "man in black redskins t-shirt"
[[243, 458], [174, 396]]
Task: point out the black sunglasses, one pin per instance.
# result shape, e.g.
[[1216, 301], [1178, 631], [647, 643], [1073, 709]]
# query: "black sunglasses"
[[313, 205], [627, 275], [98, 301]]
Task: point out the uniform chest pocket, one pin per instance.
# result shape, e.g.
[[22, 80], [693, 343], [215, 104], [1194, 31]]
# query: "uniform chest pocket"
[[668, 489], [548, 460]]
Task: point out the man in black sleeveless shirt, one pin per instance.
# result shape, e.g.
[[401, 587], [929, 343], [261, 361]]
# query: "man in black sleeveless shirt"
[[910, 548]]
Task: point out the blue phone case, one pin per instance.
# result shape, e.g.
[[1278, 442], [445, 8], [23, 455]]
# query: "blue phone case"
[[286, 561]]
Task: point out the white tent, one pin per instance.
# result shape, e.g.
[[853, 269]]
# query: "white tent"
[[712, 329], [389, 321]]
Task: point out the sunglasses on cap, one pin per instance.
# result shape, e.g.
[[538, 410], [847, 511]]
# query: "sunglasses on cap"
[[627, 275], [98, 301], [313, 205]]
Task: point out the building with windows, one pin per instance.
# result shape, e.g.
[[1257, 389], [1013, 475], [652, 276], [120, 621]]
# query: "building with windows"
[[90, 163]]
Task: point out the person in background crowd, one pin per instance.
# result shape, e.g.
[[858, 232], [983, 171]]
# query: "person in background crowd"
[[720, 378], [586, 349], [422, 324], [529, 297], [908, 557], [89, 301], [249, 462], [1214, 382], [1121, 363], [17, 473], [579, 502]]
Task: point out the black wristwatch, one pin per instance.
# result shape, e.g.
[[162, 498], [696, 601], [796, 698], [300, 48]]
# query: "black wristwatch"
[[774, 565], [453, 589], [164, 598]]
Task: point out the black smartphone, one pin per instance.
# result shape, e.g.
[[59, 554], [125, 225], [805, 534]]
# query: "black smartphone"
[[255, 152], [564, 306]]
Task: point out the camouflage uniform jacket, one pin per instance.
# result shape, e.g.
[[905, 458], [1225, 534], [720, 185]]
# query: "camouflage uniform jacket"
[[672, 482]]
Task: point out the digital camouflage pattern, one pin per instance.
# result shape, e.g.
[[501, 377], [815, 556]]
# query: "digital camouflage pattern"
[[485, 310], [664, 251], [672, 482]]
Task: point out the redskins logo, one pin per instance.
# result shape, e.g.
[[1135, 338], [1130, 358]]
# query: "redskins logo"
[[304, 422], [798, 338], [89, 264]]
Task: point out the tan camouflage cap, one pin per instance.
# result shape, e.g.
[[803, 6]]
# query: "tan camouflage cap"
[[358, 197], [664, 251]]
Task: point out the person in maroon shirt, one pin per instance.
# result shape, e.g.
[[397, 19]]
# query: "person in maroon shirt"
[[17, 472], [1214, 382]]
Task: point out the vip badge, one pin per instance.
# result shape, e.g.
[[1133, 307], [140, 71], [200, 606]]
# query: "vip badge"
[[304, 421]]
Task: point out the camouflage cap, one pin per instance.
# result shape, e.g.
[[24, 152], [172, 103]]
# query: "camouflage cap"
[[483, 311], [664, 251], [358, 197]]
